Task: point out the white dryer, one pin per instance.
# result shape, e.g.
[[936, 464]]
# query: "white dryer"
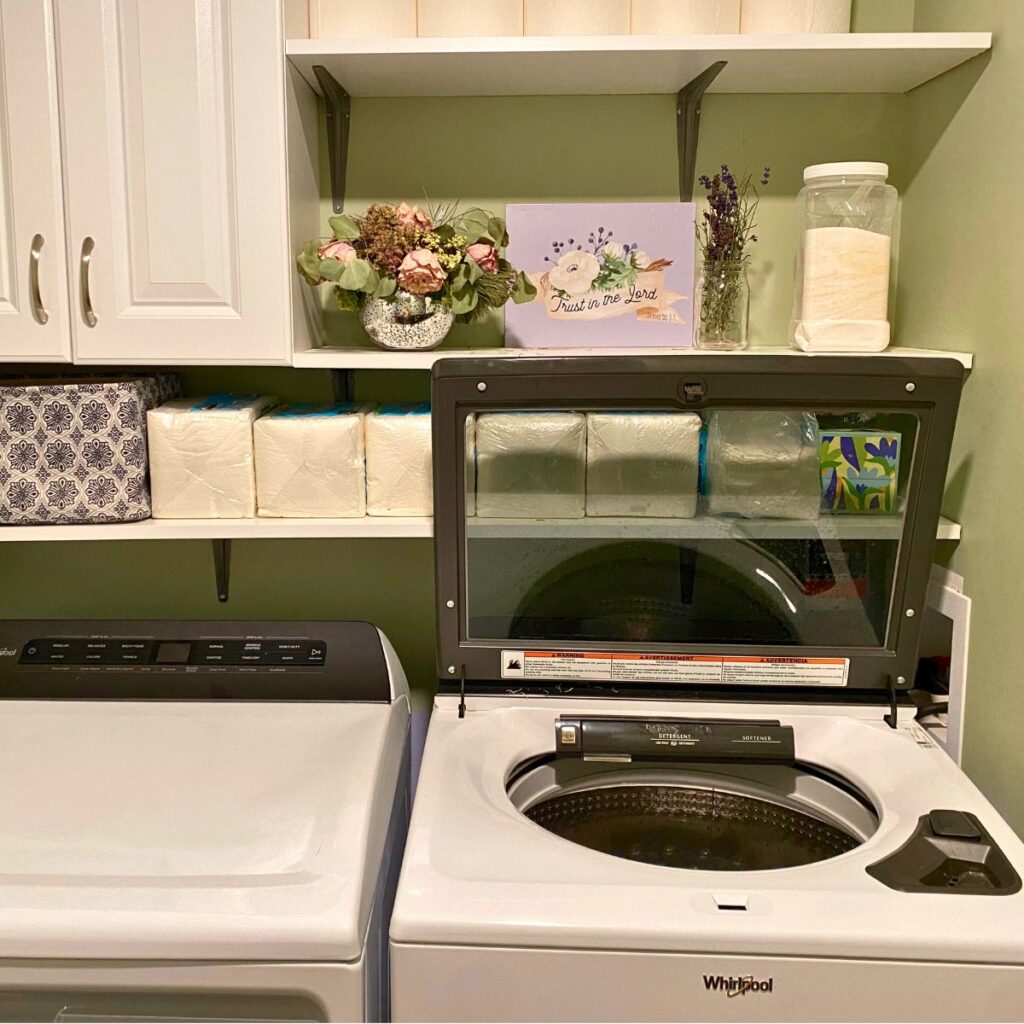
[[671, 773], [199, 819]]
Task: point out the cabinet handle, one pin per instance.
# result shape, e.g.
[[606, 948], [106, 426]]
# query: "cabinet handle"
[[39, 313], [87, 314]]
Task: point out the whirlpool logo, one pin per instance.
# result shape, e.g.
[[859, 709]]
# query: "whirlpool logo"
[[6, 652], [733, 986]]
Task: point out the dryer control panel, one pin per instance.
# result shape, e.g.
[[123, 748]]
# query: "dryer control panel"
[[192, 660]]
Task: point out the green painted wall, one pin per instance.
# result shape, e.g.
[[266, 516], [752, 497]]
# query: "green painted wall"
[[961, 253], [487, 151], [491, 151]]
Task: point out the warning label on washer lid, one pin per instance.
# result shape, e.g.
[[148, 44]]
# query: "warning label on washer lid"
[[699, 669]]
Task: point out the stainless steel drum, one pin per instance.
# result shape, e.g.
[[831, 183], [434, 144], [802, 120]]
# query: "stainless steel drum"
[[736, 817]]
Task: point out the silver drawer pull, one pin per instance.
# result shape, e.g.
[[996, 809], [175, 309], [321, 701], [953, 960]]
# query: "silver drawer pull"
[[87, 314], [39, 313]]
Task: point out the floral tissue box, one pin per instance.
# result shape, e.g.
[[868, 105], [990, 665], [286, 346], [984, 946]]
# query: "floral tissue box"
[[74, 451], [859, 470]]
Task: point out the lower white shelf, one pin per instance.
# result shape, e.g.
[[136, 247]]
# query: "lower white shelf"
[[230, 529], [384, 527]]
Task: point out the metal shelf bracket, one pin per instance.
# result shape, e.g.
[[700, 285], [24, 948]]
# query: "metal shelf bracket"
[[338, 105], [222, 567], [688, 104]]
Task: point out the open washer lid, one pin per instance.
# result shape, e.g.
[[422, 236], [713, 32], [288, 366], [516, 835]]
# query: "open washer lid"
[[575, 555]]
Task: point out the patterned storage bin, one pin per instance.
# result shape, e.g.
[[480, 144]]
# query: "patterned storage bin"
[[74, 450]]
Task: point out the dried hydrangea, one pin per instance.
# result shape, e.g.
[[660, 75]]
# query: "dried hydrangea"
[[386, 240]]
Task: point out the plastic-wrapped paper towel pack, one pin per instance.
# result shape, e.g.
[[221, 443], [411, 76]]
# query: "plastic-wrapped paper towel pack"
[[201, 456], [642, 464], [399, 467], [762, 464], [311, 461], [531, 465]]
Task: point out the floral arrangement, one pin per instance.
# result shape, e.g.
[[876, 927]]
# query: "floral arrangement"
[[606, 266], [441, 254], [725, 233]]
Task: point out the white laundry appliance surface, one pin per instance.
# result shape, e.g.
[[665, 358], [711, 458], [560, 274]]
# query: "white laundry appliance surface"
[[199, 819], [672, 772]]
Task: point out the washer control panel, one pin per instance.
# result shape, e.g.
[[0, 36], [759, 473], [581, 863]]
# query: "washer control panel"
[[167, 659], [129, 651]]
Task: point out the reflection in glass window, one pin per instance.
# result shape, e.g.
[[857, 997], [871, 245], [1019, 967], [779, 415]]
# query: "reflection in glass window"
[[779, 527]]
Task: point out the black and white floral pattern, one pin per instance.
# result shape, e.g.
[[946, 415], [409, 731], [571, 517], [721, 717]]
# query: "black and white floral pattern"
[[58, 417], [60, 456], [98, 454], [24, 455], [75, 452], [62, 493], [94, 416], [21, 418]]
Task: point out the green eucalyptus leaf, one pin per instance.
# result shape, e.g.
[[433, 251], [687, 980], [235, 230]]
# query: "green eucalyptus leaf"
[[344, 226], [525, 290], [385, 287], [331, 270], [308, 264], [359, 276], [497, 230], [463, 301], [347, 302], [476, 225], [473, 271]]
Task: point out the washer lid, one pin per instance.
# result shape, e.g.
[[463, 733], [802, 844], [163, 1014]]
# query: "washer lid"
[[194, 830], [687, 524]]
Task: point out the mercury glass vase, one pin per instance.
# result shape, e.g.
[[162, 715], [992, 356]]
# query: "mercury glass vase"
[[405, 321], [722, 306]]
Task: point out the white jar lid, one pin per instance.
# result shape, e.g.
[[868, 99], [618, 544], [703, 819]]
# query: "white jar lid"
[[849, 169]]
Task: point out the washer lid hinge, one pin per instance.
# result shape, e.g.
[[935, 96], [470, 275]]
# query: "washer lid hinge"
[[890, 718]]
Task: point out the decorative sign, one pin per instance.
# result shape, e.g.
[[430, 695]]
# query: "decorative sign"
[[607, 274]]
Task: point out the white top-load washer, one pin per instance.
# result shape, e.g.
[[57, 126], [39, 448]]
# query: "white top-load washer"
[[200, 820], [672, 773]]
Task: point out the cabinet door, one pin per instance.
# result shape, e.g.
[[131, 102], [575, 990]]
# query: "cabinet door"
[[173, 128], [33, 273]]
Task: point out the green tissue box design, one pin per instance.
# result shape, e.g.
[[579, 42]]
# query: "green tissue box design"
[[859, 469]]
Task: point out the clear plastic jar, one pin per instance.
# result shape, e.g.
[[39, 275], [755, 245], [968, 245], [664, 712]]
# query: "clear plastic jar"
[[843, 260]]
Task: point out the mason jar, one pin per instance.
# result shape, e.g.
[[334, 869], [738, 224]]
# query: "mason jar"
[[841, 300]]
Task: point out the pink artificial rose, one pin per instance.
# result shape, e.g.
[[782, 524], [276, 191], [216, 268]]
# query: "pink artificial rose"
[[420, 273], [485, 256], [413, 217], [343, 252]]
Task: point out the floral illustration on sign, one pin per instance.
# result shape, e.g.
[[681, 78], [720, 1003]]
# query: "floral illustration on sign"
[[602, 278]]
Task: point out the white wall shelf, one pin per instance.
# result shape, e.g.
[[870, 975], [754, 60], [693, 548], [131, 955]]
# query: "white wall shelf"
[[378, 359], [423, 526], [890, 62], [229, 529]]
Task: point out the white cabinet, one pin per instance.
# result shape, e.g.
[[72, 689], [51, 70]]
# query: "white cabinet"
[[166, 163], [175, 180], [33, 278]]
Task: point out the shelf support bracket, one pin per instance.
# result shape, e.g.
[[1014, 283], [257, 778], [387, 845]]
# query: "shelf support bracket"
[[688, 104], [338, 106], [222, 567], [344, 385]]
